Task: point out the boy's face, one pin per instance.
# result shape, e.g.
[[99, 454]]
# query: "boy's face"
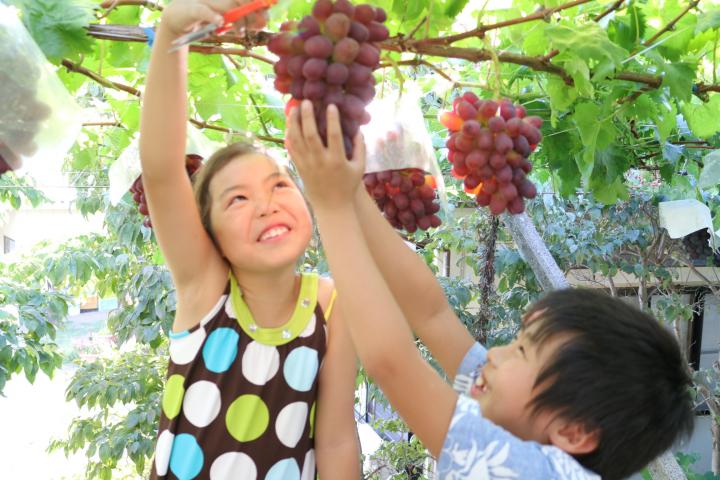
[[504, 388]]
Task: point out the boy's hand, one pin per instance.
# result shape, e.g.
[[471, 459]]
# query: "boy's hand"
[[329, 179], [182, 16]]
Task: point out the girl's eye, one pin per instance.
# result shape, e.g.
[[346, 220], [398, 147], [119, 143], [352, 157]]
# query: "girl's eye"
[[237, 199], [281, 184]]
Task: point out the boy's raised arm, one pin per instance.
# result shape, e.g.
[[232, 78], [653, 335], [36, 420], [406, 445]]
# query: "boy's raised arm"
[[379, 331], [414, 287]]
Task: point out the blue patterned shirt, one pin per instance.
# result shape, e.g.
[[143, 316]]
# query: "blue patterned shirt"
[[475, 448]]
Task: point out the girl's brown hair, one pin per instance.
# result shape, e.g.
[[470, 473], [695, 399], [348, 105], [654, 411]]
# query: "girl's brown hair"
[[202, 178]]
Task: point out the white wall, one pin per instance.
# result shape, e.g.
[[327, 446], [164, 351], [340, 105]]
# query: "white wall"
[[55, 222]]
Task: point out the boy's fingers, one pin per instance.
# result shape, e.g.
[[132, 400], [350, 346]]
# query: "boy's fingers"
[[309, 127], [358, 158], [294, 139], [334, 132]]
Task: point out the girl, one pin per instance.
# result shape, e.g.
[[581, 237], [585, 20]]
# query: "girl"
[[249, 361]]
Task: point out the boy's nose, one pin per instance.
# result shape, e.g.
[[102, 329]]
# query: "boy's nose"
[[495, 355]]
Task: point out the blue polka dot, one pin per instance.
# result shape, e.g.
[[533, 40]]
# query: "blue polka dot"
[[301, 368], [220, 349], [287, 469], [186, 459]]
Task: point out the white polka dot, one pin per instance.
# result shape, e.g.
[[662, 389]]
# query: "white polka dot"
[[184, 350], [233, 466], [308, 472], [202, 403], [162, 452], [260, 363], [290, 423], [310, 329], [229, 309]]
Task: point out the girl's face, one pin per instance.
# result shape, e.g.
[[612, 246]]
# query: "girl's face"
[[258, 215]]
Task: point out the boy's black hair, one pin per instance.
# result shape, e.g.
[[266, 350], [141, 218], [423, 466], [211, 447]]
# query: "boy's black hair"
[[620, 374]]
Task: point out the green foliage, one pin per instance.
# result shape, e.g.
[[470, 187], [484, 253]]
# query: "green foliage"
[[14, 188], [123, 393], [29, 319], [58, 26], [601, 124]]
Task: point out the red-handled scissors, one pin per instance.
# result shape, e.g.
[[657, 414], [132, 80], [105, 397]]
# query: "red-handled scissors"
[[229, 17]]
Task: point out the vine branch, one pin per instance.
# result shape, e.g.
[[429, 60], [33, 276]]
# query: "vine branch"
[[671, 24], [480, 31], [73, 67]]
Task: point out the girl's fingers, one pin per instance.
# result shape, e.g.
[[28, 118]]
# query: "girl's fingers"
[[309, 127], [334, 132], [206, 13]]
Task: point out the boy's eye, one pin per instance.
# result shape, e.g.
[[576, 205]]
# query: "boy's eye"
[[238, 198], [281, 184]]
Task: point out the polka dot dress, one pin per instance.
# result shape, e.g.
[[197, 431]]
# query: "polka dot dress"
[[239, 402]]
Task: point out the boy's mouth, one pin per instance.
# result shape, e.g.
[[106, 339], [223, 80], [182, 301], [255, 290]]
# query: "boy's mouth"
[[480, 386]]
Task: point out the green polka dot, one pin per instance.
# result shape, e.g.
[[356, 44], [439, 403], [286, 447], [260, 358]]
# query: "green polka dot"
[[173, 396], [312, 420], [247, 418]]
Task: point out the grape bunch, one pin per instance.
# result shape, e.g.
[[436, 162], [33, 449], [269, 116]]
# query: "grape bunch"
[[406, 197], [489, 146], [22, 114], [697, 246], [192, 164], [329, 58]]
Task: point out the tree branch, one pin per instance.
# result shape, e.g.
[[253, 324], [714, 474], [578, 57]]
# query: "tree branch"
[[420, 47], [671, 25], [242, 52], [112, 4], [609, 10], [480, 31], [73, 67]]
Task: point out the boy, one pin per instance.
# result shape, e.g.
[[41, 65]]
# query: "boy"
[[590, 387]]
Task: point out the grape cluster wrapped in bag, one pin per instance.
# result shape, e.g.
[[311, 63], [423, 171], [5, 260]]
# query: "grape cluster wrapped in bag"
[[329, 58], [489, 146], [192, 164], [22, 114], [698, 248], [406, 197]]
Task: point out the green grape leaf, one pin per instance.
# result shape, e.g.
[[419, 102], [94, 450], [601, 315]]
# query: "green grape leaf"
[[454, 7], [710, 175], [595, 133], [679, 78], [58, 26], [666, 120], [561, 95], [588, 41], [703, 118], [708, 20]]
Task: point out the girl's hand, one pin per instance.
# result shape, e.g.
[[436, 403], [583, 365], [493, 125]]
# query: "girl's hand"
[[182, 16], [329, 179]]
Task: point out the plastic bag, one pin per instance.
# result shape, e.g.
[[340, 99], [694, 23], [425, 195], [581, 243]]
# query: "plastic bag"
[[126, 169], [38, 119], [401, 172]]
